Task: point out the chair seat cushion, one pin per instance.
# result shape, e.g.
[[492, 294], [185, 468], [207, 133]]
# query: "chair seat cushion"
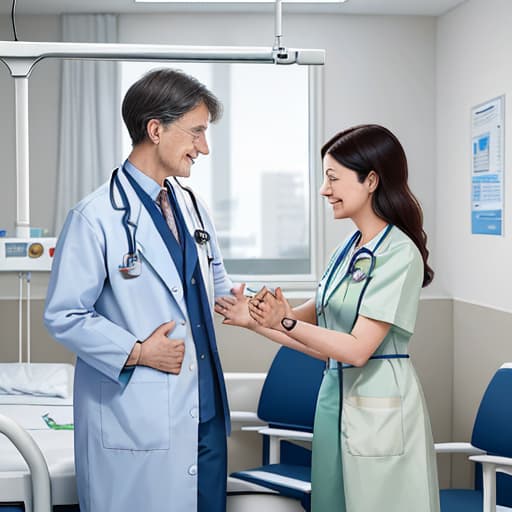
[[461, 500], [290, 480]]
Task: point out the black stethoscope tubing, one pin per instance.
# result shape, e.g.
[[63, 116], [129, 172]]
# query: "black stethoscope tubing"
[[201, 236], [125, 221]]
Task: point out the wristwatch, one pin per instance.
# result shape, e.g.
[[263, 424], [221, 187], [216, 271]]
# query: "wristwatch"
[[288, 323]]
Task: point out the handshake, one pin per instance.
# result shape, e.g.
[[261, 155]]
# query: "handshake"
[[265, 308]]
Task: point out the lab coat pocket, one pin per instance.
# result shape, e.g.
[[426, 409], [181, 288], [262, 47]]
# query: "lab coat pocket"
[[136, 417], [373, 426]]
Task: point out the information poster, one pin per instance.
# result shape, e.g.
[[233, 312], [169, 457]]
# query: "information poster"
[[487, 167]]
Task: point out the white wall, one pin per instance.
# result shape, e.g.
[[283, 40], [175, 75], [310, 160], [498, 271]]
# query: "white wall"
[[474, 44]]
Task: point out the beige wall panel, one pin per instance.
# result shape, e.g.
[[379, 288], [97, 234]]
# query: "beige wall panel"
[[432, 355]]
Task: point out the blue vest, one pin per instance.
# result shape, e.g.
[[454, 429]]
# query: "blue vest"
[[185, 258]]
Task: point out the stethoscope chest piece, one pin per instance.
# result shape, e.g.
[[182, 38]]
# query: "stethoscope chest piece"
[[131, 266], [201, 236], [361, 265]]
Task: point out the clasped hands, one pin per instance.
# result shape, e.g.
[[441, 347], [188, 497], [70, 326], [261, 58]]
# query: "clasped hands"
[[265, 308]]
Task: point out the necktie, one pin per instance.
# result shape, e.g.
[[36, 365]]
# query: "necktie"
[[163, 201]]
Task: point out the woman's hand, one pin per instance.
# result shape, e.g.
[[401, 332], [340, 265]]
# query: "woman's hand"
[[234, 309], [269, 309]]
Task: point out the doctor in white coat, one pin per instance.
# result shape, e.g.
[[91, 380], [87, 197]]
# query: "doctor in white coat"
[[134, 301]]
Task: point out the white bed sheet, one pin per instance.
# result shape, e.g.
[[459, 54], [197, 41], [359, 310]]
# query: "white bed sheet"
[[56, 446]]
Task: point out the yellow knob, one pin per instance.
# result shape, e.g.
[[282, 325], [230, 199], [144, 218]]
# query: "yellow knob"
[[35, 250]]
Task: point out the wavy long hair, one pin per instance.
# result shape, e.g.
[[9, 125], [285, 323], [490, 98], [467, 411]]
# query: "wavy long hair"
[[371, 147]]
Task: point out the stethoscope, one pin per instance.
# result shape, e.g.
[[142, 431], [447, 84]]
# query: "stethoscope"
[[131, 263], [360, 267]]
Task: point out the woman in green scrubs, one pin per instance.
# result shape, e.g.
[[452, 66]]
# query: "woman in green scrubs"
[[377, 452]]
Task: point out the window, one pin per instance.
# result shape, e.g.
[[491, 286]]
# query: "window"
[[259, 179]]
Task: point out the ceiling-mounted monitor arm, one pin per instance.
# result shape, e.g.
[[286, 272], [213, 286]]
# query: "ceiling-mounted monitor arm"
[[278, 21]]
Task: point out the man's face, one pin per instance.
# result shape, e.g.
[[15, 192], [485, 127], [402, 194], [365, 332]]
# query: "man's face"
[[182, 141]]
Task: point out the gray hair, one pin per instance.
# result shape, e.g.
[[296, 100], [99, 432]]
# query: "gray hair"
[[164, 94]]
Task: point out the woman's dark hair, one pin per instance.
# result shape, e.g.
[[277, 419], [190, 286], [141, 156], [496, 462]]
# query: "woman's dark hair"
[[372, 147], [166, 95]]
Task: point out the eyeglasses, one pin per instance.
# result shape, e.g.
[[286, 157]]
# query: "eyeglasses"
[[196, 135]]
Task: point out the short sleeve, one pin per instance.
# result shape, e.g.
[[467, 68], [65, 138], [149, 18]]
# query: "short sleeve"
[[393, 292]]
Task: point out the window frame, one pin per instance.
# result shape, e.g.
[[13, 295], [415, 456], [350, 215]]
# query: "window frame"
[[316, 230]]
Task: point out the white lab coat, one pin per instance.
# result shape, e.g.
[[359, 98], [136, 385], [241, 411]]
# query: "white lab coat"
[[136, 434]]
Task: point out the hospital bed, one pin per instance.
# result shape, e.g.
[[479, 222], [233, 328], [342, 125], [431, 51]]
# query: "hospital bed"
[[36, 461]]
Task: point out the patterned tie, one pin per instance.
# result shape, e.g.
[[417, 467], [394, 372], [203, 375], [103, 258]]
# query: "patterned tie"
[[163, 201]]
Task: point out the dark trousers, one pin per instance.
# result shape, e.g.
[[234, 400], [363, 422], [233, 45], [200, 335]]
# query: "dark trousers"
[[212, 463]]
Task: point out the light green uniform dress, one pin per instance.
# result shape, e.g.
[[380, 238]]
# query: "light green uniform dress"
[[381, 458]]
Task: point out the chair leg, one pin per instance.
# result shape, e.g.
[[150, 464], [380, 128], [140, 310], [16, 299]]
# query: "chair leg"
[[274, 454], [489, 481]]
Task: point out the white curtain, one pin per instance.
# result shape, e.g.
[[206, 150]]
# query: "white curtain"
[[90, 127]]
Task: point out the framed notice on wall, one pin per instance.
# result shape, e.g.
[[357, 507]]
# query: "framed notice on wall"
[[487, 167]]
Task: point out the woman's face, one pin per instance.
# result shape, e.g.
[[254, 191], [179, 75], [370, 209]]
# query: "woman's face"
[[347, 196]]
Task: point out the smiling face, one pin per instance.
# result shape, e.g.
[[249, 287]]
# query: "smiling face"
[[348, 197], [181, 142]]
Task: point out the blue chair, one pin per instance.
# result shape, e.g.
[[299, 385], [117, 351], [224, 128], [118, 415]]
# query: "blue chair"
[[287, 403], [490, 448]]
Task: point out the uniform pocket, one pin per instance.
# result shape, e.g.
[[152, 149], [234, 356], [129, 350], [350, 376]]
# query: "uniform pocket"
[[136, 417], [373, 426]]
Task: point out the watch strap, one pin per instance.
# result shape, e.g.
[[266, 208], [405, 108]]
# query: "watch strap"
[[288, 323]]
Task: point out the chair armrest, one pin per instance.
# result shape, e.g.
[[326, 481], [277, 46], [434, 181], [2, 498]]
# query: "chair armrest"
[[246, 421], [292, 435], [276, 435], [245, 416], [500, 464], [467, 448], [251, 428], [30, 451], [492, 464]]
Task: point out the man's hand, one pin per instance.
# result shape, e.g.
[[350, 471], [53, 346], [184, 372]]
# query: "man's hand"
[[234, 308], [162, 353]]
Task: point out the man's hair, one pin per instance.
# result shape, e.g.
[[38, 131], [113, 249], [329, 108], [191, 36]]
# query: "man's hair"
[[166, 95]]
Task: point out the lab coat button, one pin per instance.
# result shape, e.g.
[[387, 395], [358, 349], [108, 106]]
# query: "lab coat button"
[[174, 289], [192, 367], [183, 322], [192, 470], [193, 412]]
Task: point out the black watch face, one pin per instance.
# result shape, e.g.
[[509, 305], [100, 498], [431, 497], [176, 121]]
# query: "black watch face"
[[288, 323]]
